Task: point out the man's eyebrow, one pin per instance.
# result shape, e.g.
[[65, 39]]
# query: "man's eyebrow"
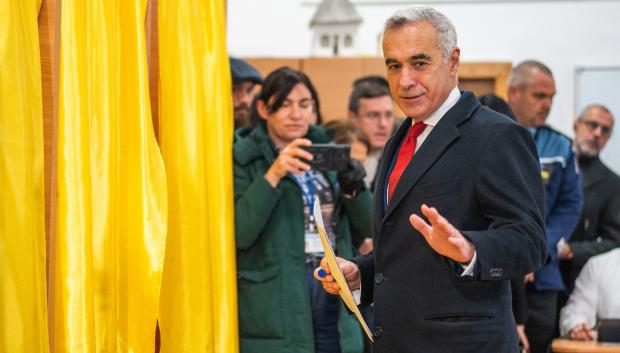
[[390, 61], [420, 56]]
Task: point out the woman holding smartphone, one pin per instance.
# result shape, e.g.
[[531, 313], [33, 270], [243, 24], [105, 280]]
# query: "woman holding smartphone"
[[281, 307]]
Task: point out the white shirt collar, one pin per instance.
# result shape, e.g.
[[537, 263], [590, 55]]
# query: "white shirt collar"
[[450, 102]]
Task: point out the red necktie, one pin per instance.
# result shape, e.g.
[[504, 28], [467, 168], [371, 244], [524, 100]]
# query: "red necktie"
[[404, 156]]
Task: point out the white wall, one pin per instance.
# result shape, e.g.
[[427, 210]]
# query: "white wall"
[[562, 34]]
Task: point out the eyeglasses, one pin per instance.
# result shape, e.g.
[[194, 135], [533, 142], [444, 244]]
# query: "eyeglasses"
[[593, 125]]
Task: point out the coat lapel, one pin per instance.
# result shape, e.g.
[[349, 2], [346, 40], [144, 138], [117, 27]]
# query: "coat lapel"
[[440, 138], [391, 148], [433, 147]]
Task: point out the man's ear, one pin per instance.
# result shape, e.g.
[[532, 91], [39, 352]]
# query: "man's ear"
[[261, 109], [513, 92], [455, 61], [575, 125]]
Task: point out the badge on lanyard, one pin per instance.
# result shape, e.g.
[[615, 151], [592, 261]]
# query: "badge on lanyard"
[[312, 239]]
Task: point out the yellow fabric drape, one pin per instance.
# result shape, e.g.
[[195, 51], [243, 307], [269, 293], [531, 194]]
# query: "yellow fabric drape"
[[198, 310], [110, 204], [23, 303]]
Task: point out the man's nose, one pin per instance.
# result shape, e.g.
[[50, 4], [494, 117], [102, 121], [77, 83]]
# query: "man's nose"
[[547, 102], [245, 97], [598, 131], [384, 120], [407, 77]]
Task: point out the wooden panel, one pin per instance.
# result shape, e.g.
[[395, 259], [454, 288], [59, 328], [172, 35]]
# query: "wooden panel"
[[333, 78], [570, 346], [497, 72], [373, 66], [266, 65], [478, 86]]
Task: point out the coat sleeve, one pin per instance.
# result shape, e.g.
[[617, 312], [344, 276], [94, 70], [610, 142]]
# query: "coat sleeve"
[[255, 200], [563, 218], [510, 193], [366, 266]]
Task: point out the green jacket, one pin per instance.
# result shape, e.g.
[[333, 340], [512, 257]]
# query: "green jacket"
[[274, 303]]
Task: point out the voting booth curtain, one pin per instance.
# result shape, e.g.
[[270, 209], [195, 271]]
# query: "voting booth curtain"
[[141, 226]]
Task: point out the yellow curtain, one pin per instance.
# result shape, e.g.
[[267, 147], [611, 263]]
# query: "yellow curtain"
[[198, 310], [110, 204], [23, 305]]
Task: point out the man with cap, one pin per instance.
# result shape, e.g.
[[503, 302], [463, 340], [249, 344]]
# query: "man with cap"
[[244, 77]]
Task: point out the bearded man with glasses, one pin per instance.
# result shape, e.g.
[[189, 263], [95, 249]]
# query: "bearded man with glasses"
[[598, 230]]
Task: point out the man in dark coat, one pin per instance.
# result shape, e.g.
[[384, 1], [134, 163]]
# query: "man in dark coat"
[[598, 230], [457, 220]]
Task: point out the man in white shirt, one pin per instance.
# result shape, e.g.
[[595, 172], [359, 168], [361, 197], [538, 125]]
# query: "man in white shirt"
[[596, 295]]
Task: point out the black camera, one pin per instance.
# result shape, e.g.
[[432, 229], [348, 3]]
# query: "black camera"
[[329, 156]]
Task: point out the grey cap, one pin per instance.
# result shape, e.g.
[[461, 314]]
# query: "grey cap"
[[242, 71]]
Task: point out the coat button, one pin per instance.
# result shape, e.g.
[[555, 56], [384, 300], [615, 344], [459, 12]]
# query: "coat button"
[[496, 272], [377, 331], [379, 278]]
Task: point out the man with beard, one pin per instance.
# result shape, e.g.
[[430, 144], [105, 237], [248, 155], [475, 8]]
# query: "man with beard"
[[598, 230], [244, 77], [531, 89]]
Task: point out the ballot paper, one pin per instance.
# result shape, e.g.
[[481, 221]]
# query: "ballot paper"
[[345, 292]]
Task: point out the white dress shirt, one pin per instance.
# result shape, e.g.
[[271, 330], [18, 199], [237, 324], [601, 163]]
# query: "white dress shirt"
[[596, 294]]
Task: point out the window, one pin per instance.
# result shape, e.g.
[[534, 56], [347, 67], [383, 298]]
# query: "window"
[[324, 41], [348, 41]]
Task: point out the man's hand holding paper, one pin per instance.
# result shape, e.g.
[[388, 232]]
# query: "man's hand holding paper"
[[349, 270], [341, 272]]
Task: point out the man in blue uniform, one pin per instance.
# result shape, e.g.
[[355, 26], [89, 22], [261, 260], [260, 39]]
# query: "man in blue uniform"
[[530, 94]]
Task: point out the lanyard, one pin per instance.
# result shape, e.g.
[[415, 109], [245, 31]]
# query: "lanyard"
[[306, 178]]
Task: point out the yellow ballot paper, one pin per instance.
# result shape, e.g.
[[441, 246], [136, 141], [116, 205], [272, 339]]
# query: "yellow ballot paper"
[[345, 292]]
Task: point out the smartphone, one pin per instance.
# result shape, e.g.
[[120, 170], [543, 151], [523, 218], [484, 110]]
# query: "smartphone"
[[329, 156]]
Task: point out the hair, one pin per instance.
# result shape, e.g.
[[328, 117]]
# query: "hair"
[[317, 103], [521, 75], [364, 90], [497, 104], [376, 79], [279, 83], [346, 132], [587, 109], [446, 33]]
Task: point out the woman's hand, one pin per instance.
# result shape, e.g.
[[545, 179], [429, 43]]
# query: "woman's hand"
[[288, 161]]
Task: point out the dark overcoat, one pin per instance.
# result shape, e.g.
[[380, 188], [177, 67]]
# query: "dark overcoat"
[[481, 171]]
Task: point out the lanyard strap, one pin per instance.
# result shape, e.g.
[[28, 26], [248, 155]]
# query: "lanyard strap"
[[306, 178]]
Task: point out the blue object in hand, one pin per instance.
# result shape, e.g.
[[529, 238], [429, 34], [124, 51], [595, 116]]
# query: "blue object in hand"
[[322, 273]]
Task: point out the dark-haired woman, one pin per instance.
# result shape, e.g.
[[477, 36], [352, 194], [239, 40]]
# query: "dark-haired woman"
[[281, 307]]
